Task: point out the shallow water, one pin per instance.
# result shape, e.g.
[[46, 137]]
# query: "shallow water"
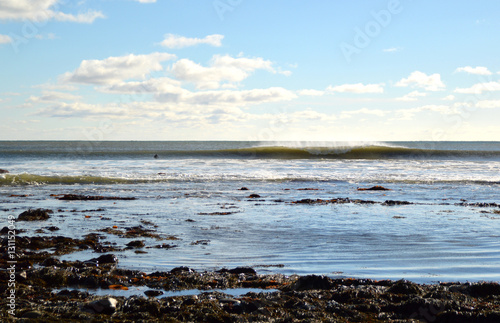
[[139, 291]]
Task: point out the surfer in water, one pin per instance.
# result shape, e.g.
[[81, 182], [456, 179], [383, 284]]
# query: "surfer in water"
[[155, 156]]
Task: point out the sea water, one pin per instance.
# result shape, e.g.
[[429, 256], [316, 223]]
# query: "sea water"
[[193, 191]]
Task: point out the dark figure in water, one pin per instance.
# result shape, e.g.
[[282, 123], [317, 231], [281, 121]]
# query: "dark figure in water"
[[155, 156]]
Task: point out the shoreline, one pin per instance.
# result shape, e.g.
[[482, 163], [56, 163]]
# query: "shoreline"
[[47, 288]]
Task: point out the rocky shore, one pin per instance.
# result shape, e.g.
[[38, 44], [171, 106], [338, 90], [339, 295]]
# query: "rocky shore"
[[41, 288]]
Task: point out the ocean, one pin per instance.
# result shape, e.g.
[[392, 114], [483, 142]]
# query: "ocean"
[[279, 207]]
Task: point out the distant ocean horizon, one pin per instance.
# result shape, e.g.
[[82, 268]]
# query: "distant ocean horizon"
[[443, 223]]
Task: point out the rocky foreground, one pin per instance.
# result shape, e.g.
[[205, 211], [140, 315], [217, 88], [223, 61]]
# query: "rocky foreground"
[[296, 299], [38, 287]]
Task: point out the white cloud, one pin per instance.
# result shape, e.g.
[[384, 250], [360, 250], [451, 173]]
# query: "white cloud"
[[488, 104], [4, 39], [310, 115], [450, 97], [116, 69], [357, 88], [54, 96], [421, 80], [42, 10], [375, 112], [480, 88], [310, 92], [227, 97], [153, 85], [180, 113], [412, 96], [78, 109], [408, 114], [478, 70], [221, 69], [176, 41], [146, 1]]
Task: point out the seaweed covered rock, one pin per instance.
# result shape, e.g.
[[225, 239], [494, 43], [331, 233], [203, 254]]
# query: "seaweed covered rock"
[[34, 215], [313, 282]]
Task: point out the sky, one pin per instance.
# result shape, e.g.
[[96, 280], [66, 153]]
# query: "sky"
[[263, 70]]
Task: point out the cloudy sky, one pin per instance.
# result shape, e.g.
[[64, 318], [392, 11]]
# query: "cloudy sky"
[[249, 70]]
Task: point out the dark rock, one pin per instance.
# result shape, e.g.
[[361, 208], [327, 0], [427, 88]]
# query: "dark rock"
[[34, 215], [200, 242], [313, 282], [180, 270], [162, 246], [216, 213], [153, 293], [75, 197], [306, 201], [136, 244], [104, 259], [53, 228], [73, 293], [243, 189], [50, 262], [239, 270], [391, 203], [339, 200], [484, 289], [253, 196], [3, 171], [374, 188], [405, 287], [478, 204], [31, 314]]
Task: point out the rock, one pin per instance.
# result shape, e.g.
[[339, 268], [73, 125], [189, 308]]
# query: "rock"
[[253, 196], [31, 314], [135, 244], [34, 215], [374, 188], [3, 171], [229, 300], [50, 262], [239, 270], [104, 259], [313, 282], [153, 293], [405, 287], [391, 203], [243, 189], [75, 197], [181, 270], [484, 289], [104, 306]]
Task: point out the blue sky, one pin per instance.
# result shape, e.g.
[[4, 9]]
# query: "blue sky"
[[249, 70]]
